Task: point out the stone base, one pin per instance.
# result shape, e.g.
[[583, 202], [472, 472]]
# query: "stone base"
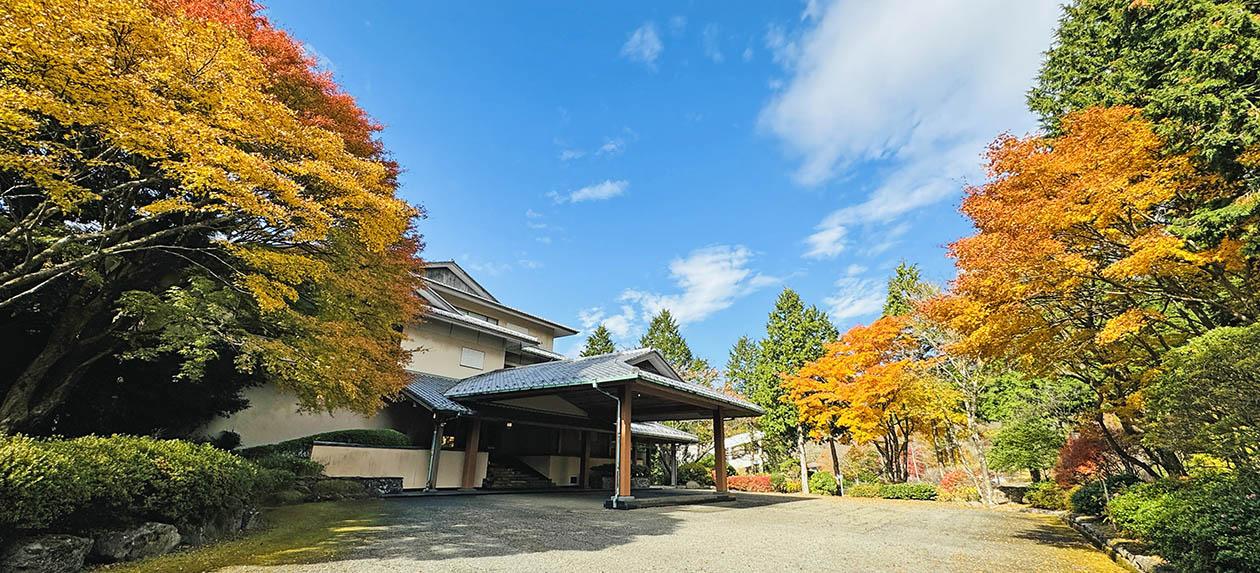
[[621, 502]]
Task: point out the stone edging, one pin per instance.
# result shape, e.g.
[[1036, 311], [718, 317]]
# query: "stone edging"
[[1119, 549]]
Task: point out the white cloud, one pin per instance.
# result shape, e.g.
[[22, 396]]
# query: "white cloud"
[[612, 146], [571, 154], [854, 270], [529, 264], [855, 298], [621, 325], [604, 190], [543, 240], [917, 98], [485, 268], [711, 38], [710, 279], [644, 45], [748, 54], [532, 214]]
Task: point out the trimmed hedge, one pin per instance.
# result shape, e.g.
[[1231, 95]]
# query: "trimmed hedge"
[[915, 491], [301, 447], [79, 482], [758, 483], [863, 490], [1210, 523]]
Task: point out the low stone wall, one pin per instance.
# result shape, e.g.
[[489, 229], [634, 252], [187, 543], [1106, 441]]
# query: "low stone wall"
[[1125, 551]]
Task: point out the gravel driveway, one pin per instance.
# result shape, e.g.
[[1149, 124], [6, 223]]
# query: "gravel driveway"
[[570, 532]]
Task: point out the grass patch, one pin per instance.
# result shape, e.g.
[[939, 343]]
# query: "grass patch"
[[306, 533]]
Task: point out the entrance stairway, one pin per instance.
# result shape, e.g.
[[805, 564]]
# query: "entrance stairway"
[[513, 474]]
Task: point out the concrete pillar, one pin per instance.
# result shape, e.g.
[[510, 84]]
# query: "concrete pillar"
[[584, 468], [625, 451], [435, 453], [719, 452], [471, 446]]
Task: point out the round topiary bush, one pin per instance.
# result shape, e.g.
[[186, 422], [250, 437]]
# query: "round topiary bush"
[[1091, 498]]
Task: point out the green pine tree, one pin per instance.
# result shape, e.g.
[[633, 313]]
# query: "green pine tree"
[[599, 342], [663, 335], [794, 335], [741, 365], [904, 287]]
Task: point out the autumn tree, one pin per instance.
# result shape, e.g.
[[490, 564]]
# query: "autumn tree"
[[599, 342], [177, 182], [866, 383], [795, 334]]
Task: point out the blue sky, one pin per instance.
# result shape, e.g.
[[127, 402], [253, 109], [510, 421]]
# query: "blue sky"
[[592, 162]]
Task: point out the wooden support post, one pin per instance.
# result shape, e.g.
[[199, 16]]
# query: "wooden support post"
[[719, 452], [673, 465], [471, 447], [584, 468], [625, 451]]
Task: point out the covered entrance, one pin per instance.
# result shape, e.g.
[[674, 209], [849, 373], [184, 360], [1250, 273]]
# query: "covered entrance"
[[582, 423]]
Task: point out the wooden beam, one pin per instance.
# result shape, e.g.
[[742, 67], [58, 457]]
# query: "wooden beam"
[[625, 453], [471, 447], [584, 468], [719, 452]]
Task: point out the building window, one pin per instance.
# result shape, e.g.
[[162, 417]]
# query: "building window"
[[472, 358]]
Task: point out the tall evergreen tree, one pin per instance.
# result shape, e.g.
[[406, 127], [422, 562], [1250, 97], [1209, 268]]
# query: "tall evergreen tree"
[[904, 287], [741, 366], [599, 342], [794, 335], [663, 335]]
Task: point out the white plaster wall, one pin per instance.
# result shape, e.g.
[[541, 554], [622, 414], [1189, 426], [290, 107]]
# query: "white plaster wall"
[[272, 416], [560, 469], [440, 346], [410, 464]]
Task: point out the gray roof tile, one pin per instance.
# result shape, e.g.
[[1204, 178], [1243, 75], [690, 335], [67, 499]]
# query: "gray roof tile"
[[429, 390]]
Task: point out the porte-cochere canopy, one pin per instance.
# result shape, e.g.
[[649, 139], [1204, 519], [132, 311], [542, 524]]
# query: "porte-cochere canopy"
[[623, 393]]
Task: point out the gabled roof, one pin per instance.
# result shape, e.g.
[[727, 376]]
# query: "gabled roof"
[[463, 276], [613, 367], [481, 325]]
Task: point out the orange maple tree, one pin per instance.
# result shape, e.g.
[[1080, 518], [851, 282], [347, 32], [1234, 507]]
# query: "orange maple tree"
[[1082, 265]]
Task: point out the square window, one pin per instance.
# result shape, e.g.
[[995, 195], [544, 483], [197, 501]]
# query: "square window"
[[472, 358]]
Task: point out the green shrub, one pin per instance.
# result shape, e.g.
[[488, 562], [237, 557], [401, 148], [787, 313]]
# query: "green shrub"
[[1090, 498], [792, 486], [1205, 524], [862, 490], [823, 483], [83, 481], [1046, 495], [696, 472], [778, 482], [36, 484], [917, 491], [301, 447]]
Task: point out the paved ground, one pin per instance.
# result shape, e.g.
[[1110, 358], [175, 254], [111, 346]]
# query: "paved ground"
[[570, 532]]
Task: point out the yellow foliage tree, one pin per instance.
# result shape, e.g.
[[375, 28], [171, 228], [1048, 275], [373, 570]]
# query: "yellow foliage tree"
[[140, 146]]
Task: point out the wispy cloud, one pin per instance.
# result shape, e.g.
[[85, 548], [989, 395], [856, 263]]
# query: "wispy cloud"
[[855, 298], [708, 280], [644, 45], [571, 154], [601, 191], [915, 98], [612, 146], [712, 41]]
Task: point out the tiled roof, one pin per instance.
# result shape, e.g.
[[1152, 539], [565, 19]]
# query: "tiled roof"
[[661, 431], [541, 352], [482, 324], [429, 390], [613, 367]]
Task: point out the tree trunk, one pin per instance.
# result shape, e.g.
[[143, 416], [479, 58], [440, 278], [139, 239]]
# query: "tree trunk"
[[1035, 473], [835, 457], [46, 380], [800, 452]]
